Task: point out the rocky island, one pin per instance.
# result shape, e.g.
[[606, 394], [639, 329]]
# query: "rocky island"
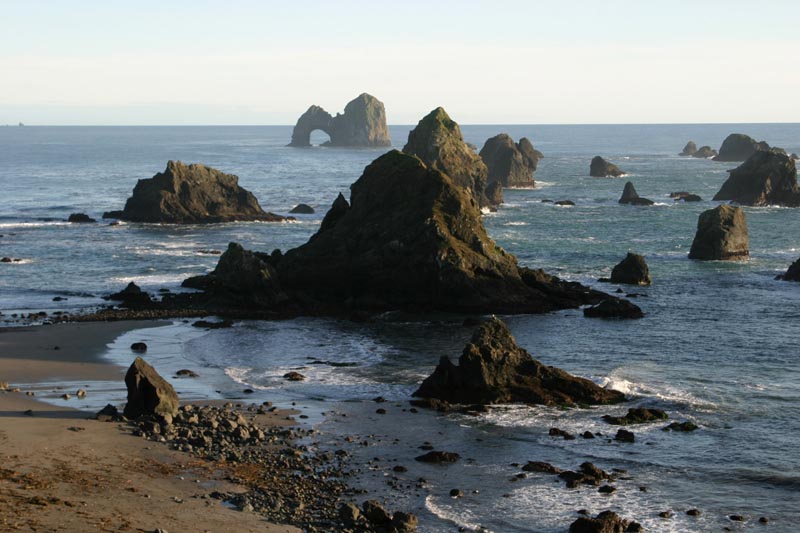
[[510, 164], [768, 177], [738, 147], [721, 235], [363, 124], [600, 168]]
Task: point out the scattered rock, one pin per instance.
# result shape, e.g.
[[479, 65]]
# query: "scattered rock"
[[683, 196], [689, 149], [556, 432], [80, 218], [721, 235], [294, 376], [109, 413], [131, 296], [213, 325], [438, 457], [693, 512], [737, 518], [792, 273], [350, 514], [404, 522], [541, 466], [632, 270], [705, 152], [600, 168], [738, 147], [768, 177], [665, 514], [624, 435], [605, 522], [186, 373], [375, 513], [139, 347], [631, 197], [564, 202], [508, 163], [607, 489], [191, 194], [148, 392], [685, 426], [615, 308], [81, 393], [637, 415], [493, 369], [456, 493], [362, 124]]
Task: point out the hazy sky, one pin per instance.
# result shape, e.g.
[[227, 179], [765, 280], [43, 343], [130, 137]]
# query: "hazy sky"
[[533, 62]]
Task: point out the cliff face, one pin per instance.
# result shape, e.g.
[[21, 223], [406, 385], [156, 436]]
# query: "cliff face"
[[362, 124], [438, 142]]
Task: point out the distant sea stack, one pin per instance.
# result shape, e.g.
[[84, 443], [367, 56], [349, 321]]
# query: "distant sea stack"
[[363, 124], [792, 273], [738, 147], [438, 142], [509, 163], [600, 168], [191, 194], [689, 149], [768, 177], [705, 152], [721, 235], [631, 197]]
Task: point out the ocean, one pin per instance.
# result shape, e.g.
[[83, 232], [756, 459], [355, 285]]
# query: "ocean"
[[717, 345]]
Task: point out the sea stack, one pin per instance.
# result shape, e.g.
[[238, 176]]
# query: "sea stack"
[[721, 235], [632, 270], [492, 369], [705, 152], [191, 194], [631, 197], [768, 177], [689, 149], [438, 142], [738, 147], [600, 168], [363, 124], [511, 164]]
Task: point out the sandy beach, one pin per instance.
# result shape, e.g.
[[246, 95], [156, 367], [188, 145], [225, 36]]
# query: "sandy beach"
[[64, 471]]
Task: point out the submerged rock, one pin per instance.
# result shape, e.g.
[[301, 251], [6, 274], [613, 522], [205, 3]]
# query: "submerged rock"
[[768, 177], [689, 149], [600, 168], [632, 270], [631, 197], [721, 235], [511, 164], [438, 142], [613, 309], [302, 209], [683, 196], [362, 124], [792, 273], [637, 415], [148, 392], [739, 147], [191, 194], [493, 369], [80, 218]]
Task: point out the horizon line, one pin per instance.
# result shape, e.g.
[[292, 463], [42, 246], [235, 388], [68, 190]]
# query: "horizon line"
[[25, 125]]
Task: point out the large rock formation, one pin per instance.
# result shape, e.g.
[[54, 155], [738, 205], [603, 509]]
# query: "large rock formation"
[[738, 147], [493, 369], [412, 238], [511, 164], [600, 168], [191, 194], [689, 149], [632, 270], [438, 142], [768, 177], [148, 392], [362, 124], [721, 235], [631, 197]]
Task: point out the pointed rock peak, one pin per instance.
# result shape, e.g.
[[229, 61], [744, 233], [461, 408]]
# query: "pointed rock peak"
[[494, 334], [629, 191], [338, 209]]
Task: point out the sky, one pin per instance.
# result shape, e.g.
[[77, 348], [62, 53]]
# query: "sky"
[[241, 62]]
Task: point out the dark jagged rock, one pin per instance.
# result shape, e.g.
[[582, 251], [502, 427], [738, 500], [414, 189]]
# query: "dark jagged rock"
[[375, 513], [686, 426], [302, 209], [363, 124], [739, 147], [148, 392], [191, 194], [565, 203], [615, 308], [241, 278], [600, 168], [705, 152], [493, 369], [336, 212], [792, 273], [632, 270], [438, 457], [511, 164], [623, 435], [438, 142], [494, 193], [768, 177], [605, 522], [721, 235], [631, 197], [637, 415], [139, 347], [131, 296], [542, 467], [685, 196], [689, 149], [80, 218]]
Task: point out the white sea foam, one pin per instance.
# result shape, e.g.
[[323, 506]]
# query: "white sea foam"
[[20, 225], [515, 223], [151, 279], [460, 517]]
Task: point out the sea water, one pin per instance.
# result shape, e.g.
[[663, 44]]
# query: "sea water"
[[717, 345]]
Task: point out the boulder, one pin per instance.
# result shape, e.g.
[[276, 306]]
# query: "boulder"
[[768, 177], [148, 392], [631, 197], [363, 124], [689, 149], [438, 142], [683, 196], [605, 522], [494, 193], [302, 209], [600, 168], [438, 457], [492, 370], [792, 273], [131, 296], [739, 147], [191, 194], [632, 271], [80, 218], [705, 152], [613, 308], [637, 415], [721, 235], [511, 164], [564, 203]]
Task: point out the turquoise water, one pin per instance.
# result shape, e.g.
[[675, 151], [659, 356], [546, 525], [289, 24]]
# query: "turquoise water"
[[717, 345]]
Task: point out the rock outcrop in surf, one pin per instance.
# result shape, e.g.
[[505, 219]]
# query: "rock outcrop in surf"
[[631, 197], [768, 177], [721, 235], [632, 270], [738, 147], [509, 163], [600, 168], [363, 124]]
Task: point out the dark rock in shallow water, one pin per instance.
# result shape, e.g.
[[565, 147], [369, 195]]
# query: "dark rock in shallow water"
[[302, 209], [493, 369], [685, 426], [139, 347], [632, 271], [511, 164], [191, 194], [131, 296], [689, 149], [540, 466], [206, 324], [564, 203], [613, 309], [685, 196], [363, 124], [721, 235], [705, 152], [375, 513], [637, 415], [148, 392], [438, 457], [623, 435], [557, 432], [631, 197], [738, 147], [792, 273], [605, 522], [80, 218], [294, 376], [600, 168], [768, 177], [438, 142]]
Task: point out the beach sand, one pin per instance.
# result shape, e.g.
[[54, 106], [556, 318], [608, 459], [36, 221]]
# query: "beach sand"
[[60, 470]]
